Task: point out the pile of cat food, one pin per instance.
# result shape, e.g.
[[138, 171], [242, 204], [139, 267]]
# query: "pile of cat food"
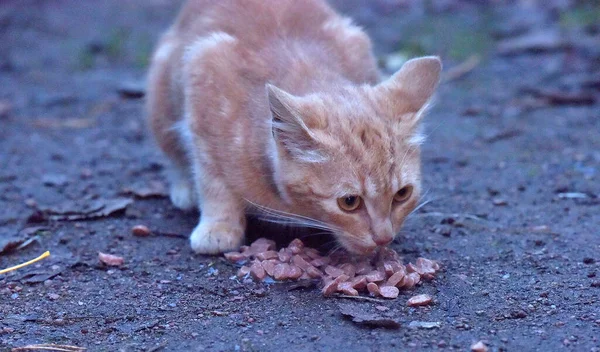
[[380, 276]]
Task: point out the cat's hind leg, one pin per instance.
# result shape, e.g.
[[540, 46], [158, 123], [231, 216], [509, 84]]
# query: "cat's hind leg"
[[181, 191], [165, 119]]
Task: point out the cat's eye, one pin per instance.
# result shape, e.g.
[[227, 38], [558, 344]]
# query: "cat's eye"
[[403, 194], [349, 203]]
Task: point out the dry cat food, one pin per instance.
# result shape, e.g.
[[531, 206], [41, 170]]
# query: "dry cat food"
[[381, 276], [141, 231], [419, 300], [110, 260]]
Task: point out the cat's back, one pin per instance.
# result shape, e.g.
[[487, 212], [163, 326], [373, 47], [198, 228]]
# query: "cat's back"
[[254, 22]]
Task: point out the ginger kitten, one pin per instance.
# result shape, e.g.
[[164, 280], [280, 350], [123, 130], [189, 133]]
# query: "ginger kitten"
[[277, 105]]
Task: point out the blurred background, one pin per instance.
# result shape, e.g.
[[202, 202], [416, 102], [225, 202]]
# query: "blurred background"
[[511, 171]]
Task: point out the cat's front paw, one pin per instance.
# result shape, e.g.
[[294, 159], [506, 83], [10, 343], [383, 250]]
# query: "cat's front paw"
[[216, 237], [183, 196]]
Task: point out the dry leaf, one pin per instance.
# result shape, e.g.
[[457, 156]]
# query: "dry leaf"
[[154, 189], [360, 316], [97, 209]]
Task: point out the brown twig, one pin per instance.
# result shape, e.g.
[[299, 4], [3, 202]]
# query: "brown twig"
[[461, 69], [360, 298], [452, 215], [169, 234], [158, 348]]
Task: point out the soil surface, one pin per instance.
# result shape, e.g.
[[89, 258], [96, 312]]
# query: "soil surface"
[[512, 168]]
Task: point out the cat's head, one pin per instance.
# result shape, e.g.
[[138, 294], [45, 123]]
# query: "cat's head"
[[350, 158]]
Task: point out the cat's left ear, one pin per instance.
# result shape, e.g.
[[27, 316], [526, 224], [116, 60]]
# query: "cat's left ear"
[[291, 130], [413, 85]]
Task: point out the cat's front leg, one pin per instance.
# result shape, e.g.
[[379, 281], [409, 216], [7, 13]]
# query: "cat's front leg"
[[222, 221]]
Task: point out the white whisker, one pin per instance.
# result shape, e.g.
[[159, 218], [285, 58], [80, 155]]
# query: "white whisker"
[[338, 247], [423, 203], [289, 219]]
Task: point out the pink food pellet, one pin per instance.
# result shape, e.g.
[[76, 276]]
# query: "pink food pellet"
[[389, 291], [419, 300], [373, 289]]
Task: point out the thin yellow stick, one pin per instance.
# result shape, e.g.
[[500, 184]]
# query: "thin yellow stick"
[[48, 348], [46, 254]]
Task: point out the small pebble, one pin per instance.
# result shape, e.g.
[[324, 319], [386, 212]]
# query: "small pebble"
[[499, 202], [479, 347], [53, 296]]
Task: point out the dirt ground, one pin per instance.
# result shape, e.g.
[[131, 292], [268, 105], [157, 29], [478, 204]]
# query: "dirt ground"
[[512, 168]]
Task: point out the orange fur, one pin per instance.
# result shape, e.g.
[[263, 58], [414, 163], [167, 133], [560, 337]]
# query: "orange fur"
[[278, 105]]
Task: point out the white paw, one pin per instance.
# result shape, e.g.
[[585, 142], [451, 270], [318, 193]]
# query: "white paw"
[[216, 237], [183, 196]]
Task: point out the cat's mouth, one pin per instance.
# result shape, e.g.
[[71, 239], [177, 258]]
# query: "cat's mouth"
[[356, 247]]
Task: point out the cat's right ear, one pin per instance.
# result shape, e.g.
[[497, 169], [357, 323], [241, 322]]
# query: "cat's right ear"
[[289, 129], [284, 109]]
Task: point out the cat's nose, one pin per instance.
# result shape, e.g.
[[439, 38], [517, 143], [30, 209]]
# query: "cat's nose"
[[383, 234], [383, 240]]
